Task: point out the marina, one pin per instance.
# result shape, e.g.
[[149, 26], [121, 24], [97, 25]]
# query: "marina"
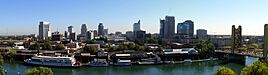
[[194, 68]]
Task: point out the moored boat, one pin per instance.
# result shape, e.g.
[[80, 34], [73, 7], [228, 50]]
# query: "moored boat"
[[54, 61], [98, 63], [122, 63]]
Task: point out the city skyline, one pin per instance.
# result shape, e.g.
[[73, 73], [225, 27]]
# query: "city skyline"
[[217, 17]]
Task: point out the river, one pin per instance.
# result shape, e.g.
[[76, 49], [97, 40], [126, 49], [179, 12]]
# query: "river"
[[195, 68]]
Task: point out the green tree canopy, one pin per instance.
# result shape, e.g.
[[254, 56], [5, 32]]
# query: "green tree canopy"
[[224, 71], [257, 68], [151, 40], [90, 49], [47, 46], [205, 46], [34, 47], [59, 47], [89, 41], [11, 53], [39, 71]]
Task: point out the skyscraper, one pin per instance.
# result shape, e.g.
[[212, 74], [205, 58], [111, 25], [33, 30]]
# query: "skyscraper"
[[168, 27], [105, 31], [101, 29], [44, 30], [162, 24], [186, 28], [70, 29], [84, 29], [136, 26]]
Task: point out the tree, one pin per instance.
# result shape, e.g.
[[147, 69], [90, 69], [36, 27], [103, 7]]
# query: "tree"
[[122, 47], [257, 68], [34, 47], [2, 71], [89, 41], [39, 71], [131, 46], [151, 40], [59, 47], [11, 54], [47, 46], [90, 49], [204, 47], [224, 71]]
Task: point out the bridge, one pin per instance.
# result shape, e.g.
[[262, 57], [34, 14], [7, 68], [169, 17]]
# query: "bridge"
[[245, 53]]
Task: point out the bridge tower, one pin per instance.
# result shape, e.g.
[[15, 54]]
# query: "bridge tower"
[[265, 50], [236, 38]]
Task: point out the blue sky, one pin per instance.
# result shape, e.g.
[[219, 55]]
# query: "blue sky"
[[19, 17]]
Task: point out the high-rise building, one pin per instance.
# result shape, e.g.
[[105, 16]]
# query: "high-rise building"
[[201, 33], [167, 27], [140, 35], [106, 32], [66, 34], [95, 32], [44, 30], [84, 29], [186, 28], [73, 36], [130, 35], [136, 26], [90, 35], [70, 29], [162, 24], [101, 29]]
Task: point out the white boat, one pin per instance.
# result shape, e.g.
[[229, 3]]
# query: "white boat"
[[188, 60], [122, 63], [98, 63], [55, 61]]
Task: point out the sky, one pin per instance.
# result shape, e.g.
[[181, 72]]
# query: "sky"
[[21, 17]]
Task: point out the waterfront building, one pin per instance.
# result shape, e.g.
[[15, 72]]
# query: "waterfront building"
[[44, 30], [136, 26], [186, 28], [201, 33], [101, 29], [84, 29]]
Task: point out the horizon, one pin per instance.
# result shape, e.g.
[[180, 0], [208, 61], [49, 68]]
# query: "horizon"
[[23, 17]]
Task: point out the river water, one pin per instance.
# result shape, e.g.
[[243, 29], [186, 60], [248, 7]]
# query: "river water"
[[195, 68]]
